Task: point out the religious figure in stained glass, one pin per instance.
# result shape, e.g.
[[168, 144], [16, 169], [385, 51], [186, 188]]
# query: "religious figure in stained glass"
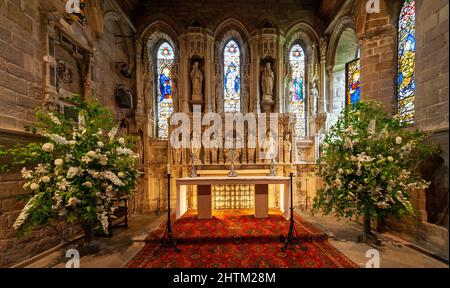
[[232, 78], [353, 89], [297, 103], [406, 84], [165, 62]]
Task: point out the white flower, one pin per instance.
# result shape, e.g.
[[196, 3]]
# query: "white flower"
[[398, 140], [26, 174], [81, 121], [112, 177], [54, 119], [103, 160], [91, 154], [122, 141], [121, 174], [48, 147], [34, 186], [73, 171], [72, 142], [24, 214], [113, 132], [26, 185], [59, 139], [87, 184], [390, 158], [59, 162], [372, 126], [100, 131], [109, 189], [358, 173], [340, 171], [348, 143], [62, 185], [46, 179], [86, 159], [72, 202], [325, 145], [100, 144], [94, 174], [124, 151]]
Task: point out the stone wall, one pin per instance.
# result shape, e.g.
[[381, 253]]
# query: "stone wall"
[[20, 63], [22, 90], [378, 58]]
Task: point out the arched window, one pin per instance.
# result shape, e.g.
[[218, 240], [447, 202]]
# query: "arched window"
[[406, 84], [232, 77], [165, 61], [297, 104]]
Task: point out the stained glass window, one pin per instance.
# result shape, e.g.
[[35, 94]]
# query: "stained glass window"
[[353, 89], [406, 84], [297, 89], [232, 78], [165, 59]]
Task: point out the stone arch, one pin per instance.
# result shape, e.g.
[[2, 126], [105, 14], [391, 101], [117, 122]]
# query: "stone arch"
[[231, 29], [148, 41], [304, 34], [343, 47], [343, 24], [119, 29]]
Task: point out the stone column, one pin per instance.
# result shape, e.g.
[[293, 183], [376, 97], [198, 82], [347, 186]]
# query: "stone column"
[[255, 95]]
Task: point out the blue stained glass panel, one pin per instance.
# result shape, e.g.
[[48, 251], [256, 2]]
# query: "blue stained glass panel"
[[406, 84], [297, 105], [165, 63], [232, 78]]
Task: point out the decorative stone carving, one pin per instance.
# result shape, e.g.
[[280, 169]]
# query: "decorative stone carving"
[[287, 147], [196, 149], [214, 151], [314, 98], [197, 84], [267, 83], [323, 49], [148, 91]]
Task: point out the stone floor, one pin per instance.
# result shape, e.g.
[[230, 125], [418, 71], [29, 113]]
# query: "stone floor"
[[393, 251], [116, 251]]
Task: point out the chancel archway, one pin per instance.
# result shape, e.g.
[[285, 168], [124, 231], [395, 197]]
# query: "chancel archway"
[[232, 30], [346, 50]]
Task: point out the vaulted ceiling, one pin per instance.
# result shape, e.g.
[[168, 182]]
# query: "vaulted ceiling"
[[325, 10]]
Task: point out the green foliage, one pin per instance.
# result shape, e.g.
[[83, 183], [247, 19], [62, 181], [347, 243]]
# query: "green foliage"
[[78, 168], [369, 164]]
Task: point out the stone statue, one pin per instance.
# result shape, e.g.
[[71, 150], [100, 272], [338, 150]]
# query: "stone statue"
[[214, 151], [148, 92], [269, 146], [287, 147], [245, 96], [219, 97], [267, 81], [196, 149], [315, 98], [197, 84]]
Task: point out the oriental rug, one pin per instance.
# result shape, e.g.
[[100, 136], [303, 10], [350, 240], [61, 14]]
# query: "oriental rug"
[[236, 239]]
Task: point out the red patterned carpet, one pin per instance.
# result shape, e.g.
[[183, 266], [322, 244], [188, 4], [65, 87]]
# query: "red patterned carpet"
[[235, 239]]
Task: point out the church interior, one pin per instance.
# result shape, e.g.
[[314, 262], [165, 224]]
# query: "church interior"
[[148, 62]]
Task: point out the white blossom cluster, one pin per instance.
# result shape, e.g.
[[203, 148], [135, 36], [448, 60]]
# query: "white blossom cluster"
[[73, 174], [368, 173]]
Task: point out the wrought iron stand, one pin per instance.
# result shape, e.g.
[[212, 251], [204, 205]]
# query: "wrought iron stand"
[[168, 240], [293, 238]]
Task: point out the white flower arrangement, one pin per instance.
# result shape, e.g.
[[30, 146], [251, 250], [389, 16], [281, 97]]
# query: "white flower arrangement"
[[368, 167], [71, 166]]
